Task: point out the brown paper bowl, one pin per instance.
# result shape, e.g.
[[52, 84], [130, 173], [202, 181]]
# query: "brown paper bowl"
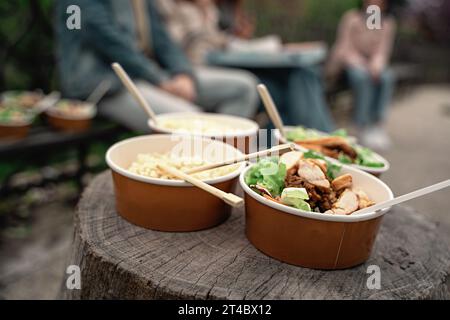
[[68, 123], [167, 205], [374, 171], [315, 240], [242, 137], [14, 131]]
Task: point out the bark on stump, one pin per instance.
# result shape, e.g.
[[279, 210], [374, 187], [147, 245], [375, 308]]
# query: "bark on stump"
[[120, 260]]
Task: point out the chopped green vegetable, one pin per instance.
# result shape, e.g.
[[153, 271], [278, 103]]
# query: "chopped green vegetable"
[[301, 133], [343, 158], [332, 169], [366, 157], [268, 174], [12, 113], [296, 197], [340, 133]]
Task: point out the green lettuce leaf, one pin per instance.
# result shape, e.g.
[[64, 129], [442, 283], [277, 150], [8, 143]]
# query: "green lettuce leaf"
[[295, 197], [343, 158], [268, 174], [366, 157], [301, 133], [340, 133]]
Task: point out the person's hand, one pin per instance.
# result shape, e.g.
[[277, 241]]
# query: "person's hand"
[[182, 86]]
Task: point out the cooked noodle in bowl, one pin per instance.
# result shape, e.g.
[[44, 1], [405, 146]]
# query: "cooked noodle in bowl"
[[237, 131], [147, 165]]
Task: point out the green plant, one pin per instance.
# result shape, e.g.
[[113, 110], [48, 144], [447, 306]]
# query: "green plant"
[[26, 53]]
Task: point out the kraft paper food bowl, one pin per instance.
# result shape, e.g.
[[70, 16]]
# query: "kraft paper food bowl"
[[168, 205], [71, 123], [374, 171], [310, 239], [14, 131], [240, 132]]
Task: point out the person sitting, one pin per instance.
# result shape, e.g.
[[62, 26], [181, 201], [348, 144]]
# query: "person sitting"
[[131, 33], [363, 54], [194, 24]]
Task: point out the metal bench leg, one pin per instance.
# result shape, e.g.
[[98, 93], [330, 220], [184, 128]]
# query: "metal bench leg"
[[82, 166]]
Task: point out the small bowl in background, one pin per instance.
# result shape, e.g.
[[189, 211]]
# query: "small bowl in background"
[[67, 119], [237, 131], [14, 131], [372, 170], [15, 122], [24, 99]]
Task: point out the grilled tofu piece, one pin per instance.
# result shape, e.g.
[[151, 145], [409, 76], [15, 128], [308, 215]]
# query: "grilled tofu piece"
[[363, 199], [343, 182], [322, 164], [310, 146], [290, 159], [347, 203], [330, 146], [312, 173]]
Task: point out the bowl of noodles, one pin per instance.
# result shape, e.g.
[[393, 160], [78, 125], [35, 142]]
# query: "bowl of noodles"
[[237, 131], [153, 199]]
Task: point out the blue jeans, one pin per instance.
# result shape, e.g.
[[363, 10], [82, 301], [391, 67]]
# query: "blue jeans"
[[306, 103], [298, 94], [370, 98]]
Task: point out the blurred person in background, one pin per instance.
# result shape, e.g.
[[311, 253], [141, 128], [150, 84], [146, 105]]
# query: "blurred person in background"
[[234, 20], [194, 24], [131, 33], [363, 54]]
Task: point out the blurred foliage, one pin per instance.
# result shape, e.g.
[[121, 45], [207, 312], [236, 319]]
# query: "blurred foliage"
[[296, 20], [27, 46], [26, 51]]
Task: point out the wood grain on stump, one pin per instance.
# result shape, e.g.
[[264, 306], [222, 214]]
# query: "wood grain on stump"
[[120, 260]]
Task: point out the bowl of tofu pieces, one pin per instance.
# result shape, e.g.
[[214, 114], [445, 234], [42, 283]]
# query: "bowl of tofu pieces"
[[304, 211]]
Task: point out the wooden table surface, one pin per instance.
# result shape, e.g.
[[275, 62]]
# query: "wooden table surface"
[[120, 260]]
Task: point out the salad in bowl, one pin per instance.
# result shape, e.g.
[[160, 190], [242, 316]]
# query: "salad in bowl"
[[338, 146], [303, 210], [306, 182]]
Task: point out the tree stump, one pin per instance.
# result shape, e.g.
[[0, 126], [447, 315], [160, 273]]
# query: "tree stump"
[[120, 260]]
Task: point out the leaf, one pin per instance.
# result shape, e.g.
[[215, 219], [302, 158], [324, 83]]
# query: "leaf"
[[340, 133], [300, 133], [267, 174], [366, 157], [295, 197], [343, 158]]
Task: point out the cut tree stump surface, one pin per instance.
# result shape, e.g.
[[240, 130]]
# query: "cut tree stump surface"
[[120, 260]]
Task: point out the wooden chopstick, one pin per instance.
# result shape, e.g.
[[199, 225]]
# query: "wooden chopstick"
[[229, 198], [129, 84], [282, 147], [271, 108]]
